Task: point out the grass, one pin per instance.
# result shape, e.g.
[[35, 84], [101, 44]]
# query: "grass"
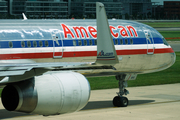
[[167, 34], [163, 24], [170, 34]]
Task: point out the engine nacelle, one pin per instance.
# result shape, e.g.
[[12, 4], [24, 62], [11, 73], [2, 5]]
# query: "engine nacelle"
[[49, 94]]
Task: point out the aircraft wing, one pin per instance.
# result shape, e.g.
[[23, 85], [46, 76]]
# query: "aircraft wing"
[[18, 71]]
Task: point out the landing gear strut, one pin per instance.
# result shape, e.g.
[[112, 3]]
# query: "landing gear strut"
[[120, 101]]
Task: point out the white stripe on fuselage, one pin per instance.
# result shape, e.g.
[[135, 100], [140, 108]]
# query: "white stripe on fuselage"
[[77, 48]]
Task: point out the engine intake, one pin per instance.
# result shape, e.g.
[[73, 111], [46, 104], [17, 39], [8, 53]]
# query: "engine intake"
[[49, 94]]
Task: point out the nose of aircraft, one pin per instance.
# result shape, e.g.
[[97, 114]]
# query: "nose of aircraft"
[[173, 57]]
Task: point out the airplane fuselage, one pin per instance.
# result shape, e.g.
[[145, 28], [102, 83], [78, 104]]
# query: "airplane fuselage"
[[140, 48]]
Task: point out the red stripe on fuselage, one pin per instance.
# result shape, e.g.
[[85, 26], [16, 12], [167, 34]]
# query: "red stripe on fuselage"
[[80, 54]]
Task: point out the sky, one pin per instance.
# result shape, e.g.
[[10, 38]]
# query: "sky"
[[161, 1]]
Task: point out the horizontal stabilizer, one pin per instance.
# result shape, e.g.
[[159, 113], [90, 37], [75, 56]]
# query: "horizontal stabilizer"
[[106, 53]]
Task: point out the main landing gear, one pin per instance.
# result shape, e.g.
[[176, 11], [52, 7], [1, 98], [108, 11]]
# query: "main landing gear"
[[120, 101]]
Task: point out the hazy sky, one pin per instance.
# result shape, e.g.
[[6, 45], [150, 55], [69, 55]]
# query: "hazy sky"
[[161, 1]]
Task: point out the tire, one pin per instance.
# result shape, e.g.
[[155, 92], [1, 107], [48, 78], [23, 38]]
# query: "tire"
[[120, 101], [124, 102], [116, 101]]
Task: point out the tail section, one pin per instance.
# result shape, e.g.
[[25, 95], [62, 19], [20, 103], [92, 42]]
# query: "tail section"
[[106, 53], [24, 16]]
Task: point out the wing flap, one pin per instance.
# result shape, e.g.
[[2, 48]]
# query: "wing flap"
[[20, 69], [12, 73]]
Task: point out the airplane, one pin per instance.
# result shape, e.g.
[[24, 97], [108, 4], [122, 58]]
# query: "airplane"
[[44, 64]]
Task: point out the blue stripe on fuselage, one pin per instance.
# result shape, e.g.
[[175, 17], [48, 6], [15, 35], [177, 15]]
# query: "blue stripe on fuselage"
[[69, 43]]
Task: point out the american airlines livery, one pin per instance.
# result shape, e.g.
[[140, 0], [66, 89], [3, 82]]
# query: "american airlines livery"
[[44, 63]]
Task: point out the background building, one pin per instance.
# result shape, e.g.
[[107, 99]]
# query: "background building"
[[158, 12], [87, 8], [172, 9], [136, 9], [126, 9], [3, 8], [40, 8]]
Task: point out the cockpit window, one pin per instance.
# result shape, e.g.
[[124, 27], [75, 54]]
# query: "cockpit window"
[[165, 42]]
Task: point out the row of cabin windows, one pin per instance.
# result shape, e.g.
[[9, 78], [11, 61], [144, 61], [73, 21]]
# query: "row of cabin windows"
[[95, 42], [121, 41], [29, 44], [35, 44], [74, 43], [85, 42]]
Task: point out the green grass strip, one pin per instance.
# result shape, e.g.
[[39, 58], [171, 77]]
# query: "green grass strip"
[[170, 34]]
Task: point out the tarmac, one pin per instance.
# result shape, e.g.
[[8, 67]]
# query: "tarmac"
[[159, 102], [175, 45]]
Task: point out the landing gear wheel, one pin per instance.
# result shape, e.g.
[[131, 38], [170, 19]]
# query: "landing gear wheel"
[[124, 101], [116, 101], [120, 101]]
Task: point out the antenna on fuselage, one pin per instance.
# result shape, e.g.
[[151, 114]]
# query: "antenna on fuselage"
[[24, 16]]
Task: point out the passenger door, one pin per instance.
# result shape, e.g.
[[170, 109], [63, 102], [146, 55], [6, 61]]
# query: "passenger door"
[[150, 42], [57, 45]]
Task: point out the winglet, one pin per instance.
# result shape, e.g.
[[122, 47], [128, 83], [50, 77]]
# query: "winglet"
[[24, 16], [106, 53]]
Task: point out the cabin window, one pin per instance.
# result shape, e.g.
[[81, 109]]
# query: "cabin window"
[[165, 42], [126, 41], [34, 43], [29, 43], [121, 41], [46, 43], [131, 41], [10, 44], [85, 42], [22, 44], [40, 43], [79, 42], [116, 41], [74, 42], [95, 42], [90, 42]]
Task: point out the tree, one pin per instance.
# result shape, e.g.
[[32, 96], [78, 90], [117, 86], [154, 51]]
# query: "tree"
[[126, 16], [149, 14], [134, 15], [140, 17]]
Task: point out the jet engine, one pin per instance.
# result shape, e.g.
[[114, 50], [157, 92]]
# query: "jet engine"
[[49, 94]]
